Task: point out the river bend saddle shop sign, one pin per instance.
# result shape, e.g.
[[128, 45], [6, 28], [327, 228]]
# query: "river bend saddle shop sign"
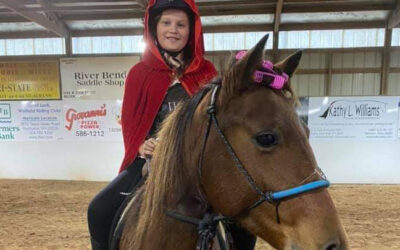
[[95, 78]]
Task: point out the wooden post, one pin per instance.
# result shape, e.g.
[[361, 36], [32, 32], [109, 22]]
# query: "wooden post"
[[386, 61], [277, 21], [68, 46], [275, 49], [392, 21], [328, 79]]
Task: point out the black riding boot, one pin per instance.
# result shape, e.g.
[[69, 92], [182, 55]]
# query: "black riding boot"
[[98, 245]]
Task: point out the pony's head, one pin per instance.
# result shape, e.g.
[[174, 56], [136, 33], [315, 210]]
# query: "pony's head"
[[271, 142]]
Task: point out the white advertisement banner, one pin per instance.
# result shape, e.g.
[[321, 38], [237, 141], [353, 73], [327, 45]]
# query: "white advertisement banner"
[[31, 121], [61, 121], [95, 78], [92, 120], [398, 115], [353, 118], [329, 118]]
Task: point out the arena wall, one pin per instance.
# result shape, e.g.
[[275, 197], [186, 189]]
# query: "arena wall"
[[92, 161], [342, 162], [353, 161]]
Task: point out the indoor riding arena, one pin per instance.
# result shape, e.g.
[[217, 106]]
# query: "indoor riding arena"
[[63, 65]]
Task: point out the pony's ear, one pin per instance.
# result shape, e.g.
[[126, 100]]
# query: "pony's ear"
[[241, 72], [290, 63], [252, 60]]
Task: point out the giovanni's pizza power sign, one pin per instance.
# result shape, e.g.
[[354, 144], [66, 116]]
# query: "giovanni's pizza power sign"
[[92, 120]]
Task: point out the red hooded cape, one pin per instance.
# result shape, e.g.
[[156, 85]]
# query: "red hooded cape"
[[147, 83]]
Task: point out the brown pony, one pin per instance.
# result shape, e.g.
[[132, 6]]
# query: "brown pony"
[[271, 142]]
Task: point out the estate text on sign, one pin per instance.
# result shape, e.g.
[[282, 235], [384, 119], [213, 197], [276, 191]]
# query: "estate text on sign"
[[29, 81]]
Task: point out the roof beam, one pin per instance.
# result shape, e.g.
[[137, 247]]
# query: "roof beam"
[[336, 1], [206, 29], [100, 16], [142, 3], [231, 3], [107, 15], [277, 19], [106, 32], [137, 31], [53, 16], [337, 50], [42, 20], [394, 17], [224, 7], [77, 1], [219, 8], [91, 1], [12, 19], [333, 25], [330, 6], [238, 28], [49, 8], [26, 34]]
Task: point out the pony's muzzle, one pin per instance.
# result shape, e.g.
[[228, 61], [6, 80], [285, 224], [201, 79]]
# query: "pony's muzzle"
[[329, 245], [333, 245]]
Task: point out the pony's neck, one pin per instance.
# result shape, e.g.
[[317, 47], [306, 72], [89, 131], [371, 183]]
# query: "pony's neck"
[[173, 184], [173, 235], [167, 233]]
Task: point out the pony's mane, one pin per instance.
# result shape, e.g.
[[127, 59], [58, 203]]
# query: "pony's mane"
[[168, 175]]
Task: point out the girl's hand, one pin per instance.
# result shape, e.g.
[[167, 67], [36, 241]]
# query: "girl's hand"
[[148, 147]]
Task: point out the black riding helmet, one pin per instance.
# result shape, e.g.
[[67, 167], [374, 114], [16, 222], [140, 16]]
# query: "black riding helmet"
[[161, 5]]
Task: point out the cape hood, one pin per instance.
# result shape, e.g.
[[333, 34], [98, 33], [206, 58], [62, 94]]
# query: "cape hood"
[[147, 83]]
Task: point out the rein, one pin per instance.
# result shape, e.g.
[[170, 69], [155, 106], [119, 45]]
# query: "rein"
[[206, 228], [210, 220]]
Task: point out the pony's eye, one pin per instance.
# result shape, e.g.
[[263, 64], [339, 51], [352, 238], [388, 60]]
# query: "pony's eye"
[[266, 139]]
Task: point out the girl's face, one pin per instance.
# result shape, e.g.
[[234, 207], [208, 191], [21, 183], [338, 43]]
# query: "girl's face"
[[173, 30]]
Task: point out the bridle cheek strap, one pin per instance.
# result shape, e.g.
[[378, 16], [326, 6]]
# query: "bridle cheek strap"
[[269, 196]]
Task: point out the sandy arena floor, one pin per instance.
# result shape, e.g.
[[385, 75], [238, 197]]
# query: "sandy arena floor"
[[52, 214]]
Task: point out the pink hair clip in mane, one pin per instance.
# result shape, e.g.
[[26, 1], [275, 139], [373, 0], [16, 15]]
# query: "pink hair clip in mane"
[[267, 70]]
